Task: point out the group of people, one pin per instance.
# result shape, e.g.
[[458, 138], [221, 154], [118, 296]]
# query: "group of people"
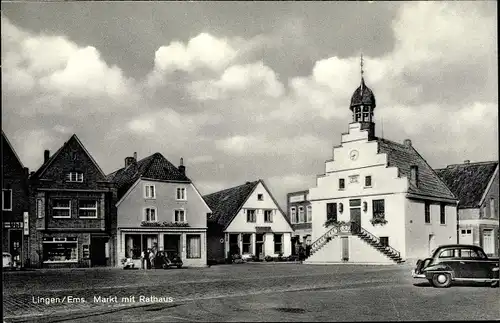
[[148, 258]]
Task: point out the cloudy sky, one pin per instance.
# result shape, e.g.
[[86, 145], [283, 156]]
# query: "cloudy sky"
[[247, 90]]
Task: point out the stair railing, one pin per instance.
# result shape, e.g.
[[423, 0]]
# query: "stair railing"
[[356, 228], [335, 230]]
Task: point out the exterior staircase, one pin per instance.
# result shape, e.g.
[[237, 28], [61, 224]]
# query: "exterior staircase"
[[355, 229]]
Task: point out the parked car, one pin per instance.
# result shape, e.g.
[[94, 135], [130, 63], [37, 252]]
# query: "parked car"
[[457, 262], [163, 261], [7, 261]]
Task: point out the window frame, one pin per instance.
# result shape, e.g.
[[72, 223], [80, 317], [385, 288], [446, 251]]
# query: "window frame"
[[145, 214], [427, 212], [39, 208], [492, 208], [183, 195], [293, 214], [309, 214], [60, 261], [368, 177], [153, 196], [61, 208], [280, 243], [247, 244], [334, 216], [88, 209], [341, 184], [271, 213], [375, 214], [302, 214], [442, 214], [184, 215], [260, 197], [4, 190], [78, 177], [188, 246]]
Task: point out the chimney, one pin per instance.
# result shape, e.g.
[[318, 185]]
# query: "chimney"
[[46, 156], [135, 156], [129, 161], [407, 143], [26, 171], [467, 161], [182, 168]]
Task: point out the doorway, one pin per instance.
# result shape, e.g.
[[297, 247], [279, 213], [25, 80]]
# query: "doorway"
[[259, 245], [488, 242], [355, 212], [234, 248], [15, 245], [98, 251], [465, 236], [172, 245]]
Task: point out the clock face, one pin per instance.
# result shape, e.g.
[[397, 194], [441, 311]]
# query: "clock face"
[[353, 155]]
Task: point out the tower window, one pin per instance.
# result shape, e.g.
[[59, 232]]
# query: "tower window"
[[357, 116]]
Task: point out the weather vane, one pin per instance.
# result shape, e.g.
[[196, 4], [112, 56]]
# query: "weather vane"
[[362, 65]]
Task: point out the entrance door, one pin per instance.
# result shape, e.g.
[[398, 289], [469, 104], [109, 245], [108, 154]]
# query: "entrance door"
[[465, 236], [345, 248], [295, 240], [15, 247], [98, 251], [432, 244], [259, 245], [171, 245], [488, 242], [234, 248], [355, 214]]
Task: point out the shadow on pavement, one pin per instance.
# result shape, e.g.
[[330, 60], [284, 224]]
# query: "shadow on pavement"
[[457, 284]]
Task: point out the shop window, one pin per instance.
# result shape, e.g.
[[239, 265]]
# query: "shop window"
[[60, 250], [193, 243], [246, 243], [278, 243]]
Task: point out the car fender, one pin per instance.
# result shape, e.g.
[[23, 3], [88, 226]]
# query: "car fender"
[[438, 268]]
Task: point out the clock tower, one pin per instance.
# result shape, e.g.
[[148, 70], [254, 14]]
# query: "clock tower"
[[362, 106]]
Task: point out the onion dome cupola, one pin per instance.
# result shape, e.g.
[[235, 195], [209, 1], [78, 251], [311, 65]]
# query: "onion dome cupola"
[[362, 101]]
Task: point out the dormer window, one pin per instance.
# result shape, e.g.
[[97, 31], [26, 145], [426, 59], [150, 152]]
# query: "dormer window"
[[414, 175], [74, 177]]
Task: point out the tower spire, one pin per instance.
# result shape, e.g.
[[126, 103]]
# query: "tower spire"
[[362, 72]]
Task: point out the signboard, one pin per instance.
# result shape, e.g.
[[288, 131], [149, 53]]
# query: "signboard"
[[86, 251], [297, 198], [26, 224], [13, 225]]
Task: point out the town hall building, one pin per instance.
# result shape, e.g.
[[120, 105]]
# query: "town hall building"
[[378, 201]]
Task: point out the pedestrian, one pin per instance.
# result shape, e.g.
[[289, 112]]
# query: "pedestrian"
[[143, 260], [302, 253], [152, 256]]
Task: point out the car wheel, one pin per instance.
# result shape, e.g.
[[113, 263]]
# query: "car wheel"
[[441, 280], [164, 266]]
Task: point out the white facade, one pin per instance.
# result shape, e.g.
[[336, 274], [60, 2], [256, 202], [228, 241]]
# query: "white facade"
[[260, 200], [356, 159]]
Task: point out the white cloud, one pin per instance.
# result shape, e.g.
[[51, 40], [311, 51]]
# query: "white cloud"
[[238, 79], [203, 50], [259, 144]]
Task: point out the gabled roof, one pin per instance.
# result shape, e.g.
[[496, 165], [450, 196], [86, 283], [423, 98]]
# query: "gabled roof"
[[6, 141], [226, 204], [403, 157], [154, 167], [46, 165], [468, 181]]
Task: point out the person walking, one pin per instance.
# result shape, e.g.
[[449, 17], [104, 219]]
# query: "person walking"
[[152, 256], [143, 256]]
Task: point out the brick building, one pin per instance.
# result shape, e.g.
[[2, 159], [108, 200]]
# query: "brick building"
[[72, 213], [300, 215], [14, 204]]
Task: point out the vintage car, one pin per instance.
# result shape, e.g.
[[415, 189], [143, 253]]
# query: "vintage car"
[[457, 262]]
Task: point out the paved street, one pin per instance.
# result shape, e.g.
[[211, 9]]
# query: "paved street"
[[246, 292]]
